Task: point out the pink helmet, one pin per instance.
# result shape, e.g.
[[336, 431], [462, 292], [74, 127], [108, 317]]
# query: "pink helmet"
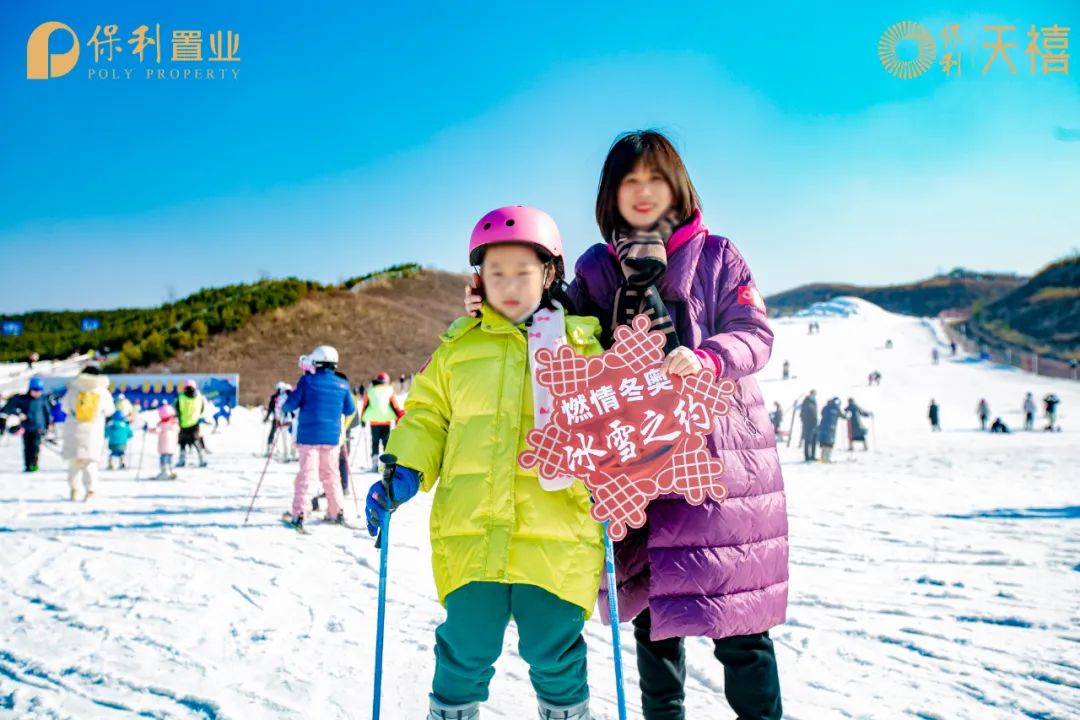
[[189, 384], [515, 224], [165, 411]]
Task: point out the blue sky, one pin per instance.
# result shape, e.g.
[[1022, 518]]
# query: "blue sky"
[[361, 135]]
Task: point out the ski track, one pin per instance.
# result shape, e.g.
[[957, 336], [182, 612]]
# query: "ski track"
[[935, 577]]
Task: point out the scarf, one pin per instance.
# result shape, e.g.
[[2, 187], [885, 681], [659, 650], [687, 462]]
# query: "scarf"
[[643, 258], [547, 330]]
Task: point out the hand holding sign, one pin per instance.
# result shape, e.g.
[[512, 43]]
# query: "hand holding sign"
[[629, 431]]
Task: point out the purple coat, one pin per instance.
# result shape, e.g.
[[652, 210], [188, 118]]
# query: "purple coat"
[[719, 569]]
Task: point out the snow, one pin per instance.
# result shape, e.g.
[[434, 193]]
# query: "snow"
[[935, 576]]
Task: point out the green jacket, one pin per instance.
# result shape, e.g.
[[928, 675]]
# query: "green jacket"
[[465, 422]]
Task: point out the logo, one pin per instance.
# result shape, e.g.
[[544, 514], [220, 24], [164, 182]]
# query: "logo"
[[899, 37], [144, 51], [908, 50], [40, 64]]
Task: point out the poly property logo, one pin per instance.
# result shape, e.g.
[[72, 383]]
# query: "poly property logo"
[[908, 49], [179, 54]]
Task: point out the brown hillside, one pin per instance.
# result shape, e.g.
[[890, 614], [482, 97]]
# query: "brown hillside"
[[386, 326]]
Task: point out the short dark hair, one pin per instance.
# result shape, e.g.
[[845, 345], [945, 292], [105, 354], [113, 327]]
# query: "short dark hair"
[[655, 150]]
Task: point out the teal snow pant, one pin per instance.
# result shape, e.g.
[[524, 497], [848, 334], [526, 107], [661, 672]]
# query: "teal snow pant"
[[469, 642]]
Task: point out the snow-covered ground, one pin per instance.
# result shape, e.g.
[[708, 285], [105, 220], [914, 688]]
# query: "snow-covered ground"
[[935, 576]]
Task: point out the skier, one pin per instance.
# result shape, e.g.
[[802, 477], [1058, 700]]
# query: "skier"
[[787, 370], [777, 418], [983, 411], [321, 400], [952, 348], [380, 410], [88, 403], [277, 398], [286, 422], [808, 414], [888, 344], [856, 430], [999, 426], [118, 433], [32, 408], [935, 356], [347, 424], [503, 546], [124, 407], [935, 416], [830, 418], [190, 406], [1029, 412], [1051, 402], [168, 439]]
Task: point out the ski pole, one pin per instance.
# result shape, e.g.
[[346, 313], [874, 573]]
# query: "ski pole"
[[383, 543], [142, 447], [352, 476], [259, 485], [613, 612], [791, 429]]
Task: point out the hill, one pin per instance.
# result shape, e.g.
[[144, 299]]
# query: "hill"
[[381, 325], [957, 289], [148, 335], [1042, 315]]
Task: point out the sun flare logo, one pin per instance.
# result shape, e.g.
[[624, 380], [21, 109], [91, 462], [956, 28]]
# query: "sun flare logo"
[[901, 32]]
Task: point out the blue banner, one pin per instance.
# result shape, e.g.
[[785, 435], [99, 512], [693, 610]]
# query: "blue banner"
[[11, 327], [151, 390], [90, 324]]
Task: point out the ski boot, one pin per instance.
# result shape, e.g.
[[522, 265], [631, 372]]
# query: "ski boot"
[[573, 712], [298, 523], [202, 463], [182, 462], [438, 711], [89, 495], [74, 495], [339, 520]]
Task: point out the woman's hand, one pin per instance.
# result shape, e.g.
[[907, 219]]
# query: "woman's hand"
[[473, 300], [681, 361]]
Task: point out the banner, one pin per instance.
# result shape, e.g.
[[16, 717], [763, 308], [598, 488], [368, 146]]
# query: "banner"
[[628, 430], [152, 390]]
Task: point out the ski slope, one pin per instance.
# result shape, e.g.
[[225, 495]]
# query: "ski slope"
[[934, 577]]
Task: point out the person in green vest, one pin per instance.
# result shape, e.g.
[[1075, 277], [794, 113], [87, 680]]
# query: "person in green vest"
[[380, 411], [190, 407]]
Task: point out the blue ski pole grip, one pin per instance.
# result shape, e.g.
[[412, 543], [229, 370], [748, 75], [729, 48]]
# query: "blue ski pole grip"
[[388, 461]]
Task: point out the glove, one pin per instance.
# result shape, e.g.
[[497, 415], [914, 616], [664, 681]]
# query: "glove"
[[404, 484]]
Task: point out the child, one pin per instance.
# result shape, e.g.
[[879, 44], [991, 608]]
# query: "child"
[[502, 545], [380, 410], [168, 432], [321, 399], [87, 402], [118, 433], [33, 410], [658, 257], [190, 406]]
